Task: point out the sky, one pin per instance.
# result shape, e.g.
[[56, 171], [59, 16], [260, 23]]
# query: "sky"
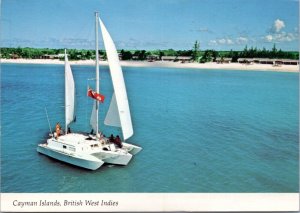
[[152, 24]]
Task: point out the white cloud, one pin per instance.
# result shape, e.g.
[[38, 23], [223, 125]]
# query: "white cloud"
[[281, 37], [278, 25], [213, 42], [229, 41], [277, 35], [222, 41], [268, 38], [241, 40]]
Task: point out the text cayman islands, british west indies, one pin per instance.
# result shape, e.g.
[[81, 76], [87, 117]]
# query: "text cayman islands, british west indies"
[[66, 203]]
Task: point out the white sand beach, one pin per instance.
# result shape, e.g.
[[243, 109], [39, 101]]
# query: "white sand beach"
[[210, 65]]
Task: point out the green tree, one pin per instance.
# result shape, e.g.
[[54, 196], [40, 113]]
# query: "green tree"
[[160, 54], [195, 53], [88, 54], [209, 55], [273, 52], [170, 52], [126, 55]]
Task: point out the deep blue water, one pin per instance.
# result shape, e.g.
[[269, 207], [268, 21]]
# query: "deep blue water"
[[201, 130]]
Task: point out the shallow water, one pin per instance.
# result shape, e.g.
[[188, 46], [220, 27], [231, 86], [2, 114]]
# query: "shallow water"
[[201, 130]]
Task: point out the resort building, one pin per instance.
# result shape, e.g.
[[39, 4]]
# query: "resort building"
[[168, 58], [288, 61], [275, 62], [184, 59], [14, 56], [220, 60], [152, 57], [135, 57], [120, 56], [58, 56], [256, 60], [246, 60], [266, 61]]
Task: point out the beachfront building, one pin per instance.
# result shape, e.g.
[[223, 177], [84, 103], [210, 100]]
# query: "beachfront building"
[[278, 61], [120, 55], [285, 62], [220, 60], [168, 58], [184, 59], [61, 55], [245, 60], [152, 58], [289, 61], [14, 56], [266, 61], [256, 60], [58, 56], [275, 62], [46, 56], [135, 57]]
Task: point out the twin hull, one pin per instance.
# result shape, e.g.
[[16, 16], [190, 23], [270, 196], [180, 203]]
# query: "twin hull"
[[91, 162], [89, 154]]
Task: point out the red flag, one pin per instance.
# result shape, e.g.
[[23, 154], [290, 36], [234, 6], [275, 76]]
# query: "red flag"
[[95, 95]]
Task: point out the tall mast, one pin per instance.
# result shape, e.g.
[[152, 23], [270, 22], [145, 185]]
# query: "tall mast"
[[66, 122], [97, 70]]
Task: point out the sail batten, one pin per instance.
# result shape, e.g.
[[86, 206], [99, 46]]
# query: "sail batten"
[[120, 93], [69, 94]]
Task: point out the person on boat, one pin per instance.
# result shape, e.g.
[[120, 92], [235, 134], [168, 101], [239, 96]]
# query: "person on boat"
[[118, 141], [69, 130], [101, 135], [57, 129], [111, 138]]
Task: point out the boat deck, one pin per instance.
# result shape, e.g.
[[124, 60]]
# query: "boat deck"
[[76, 138]]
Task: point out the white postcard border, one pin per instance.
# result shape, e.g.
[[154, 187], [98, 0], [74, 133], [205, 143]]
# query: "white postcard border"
[[112, 202]]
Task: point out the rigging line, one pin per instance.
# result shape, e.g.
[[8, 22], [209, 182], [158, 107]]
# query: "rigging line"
[[86, 111], [85, 36], [48, 120], [87, 103]]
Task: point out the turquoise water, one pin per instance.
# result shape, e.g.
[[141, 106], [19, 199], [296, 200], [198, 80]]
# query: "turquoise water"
[[201, 130]]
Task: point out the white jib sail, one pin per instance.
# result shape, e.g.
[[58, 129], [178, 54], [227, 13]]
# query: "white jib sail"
[[118, 83], [93, 120], [112, 117], [69, 93]]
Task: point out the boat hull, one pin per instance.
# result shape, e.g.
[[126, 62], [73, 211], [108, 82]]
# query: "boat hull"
[[132, 149], [87, 162], [114, 158]]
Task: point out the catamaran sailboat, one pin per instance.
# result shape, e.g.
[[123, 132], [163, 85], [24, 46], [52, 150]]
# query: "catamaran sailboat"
[[91, 151]]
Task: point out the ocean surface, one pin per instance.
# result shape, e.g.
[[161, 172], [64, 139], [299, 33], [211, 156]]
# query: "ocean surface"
[[200, 130]]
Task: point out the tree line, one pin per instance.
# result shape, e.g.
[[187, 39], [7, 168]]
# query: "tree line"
[[195, 53]]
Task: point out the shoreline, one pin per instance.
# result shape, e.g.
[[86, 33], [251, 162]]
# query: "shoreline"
[[192, 65]]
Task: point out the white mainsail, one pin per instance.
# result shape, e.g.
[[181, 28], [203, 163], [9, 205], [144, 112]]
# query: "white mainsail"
[[69, 93], [121, 99]]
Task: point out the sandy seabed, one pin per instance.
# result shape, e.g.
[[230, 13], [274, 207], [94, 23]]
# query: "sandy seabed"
[[210, 65]]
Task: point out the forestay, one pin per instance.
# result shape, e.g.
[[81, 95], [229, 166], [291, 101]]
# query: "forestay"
[[121, 100]]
